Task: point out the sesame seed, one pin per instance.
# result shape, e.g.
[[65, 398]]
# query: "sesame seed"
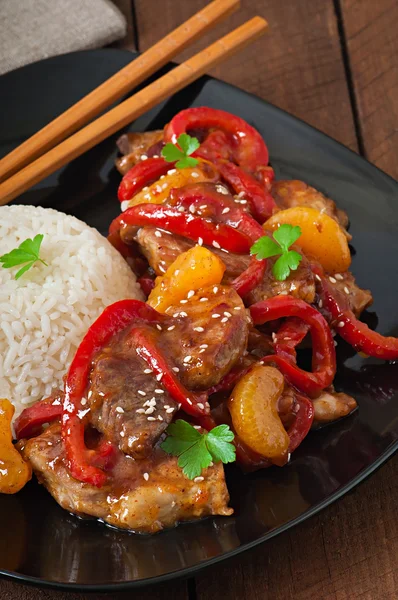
[[200, 241], [194, 174], [203, 206], [243, 201], [190, 294], [160, 418], [140, 411], [146, 476], [215, 316], [150, 410], [159, 377], [155, 156], [200, 329], [227, 314], [198, 479], [320, 303], [215, 289], [183, 301], [89, 395], [332, 280], [223, 250], [224, 319], [83, 401], [197, 427], [225, 210], [317, 277], [201, 351], [122, 434], [162, 177], [204, 346], [176, 369], [203, 300], [158, 391], [339, 276], [216, 244], [241, 194], [164, 186], [237, 308], [176, 272], [187, 359], [150, 419], [161, 268], [180, 209], [169, 410], [119, 409], [200, 405], [287, 338], [147, 371], [171, 328], [222, 190], [283, 293], [158, 234], [141, 393], [192, 208], [274, 338], [183, 314], [334, 342], [145, 189], [158, 327], [143, 157], [340, 324], [347, 291], [176, 314], [147, 196], [189, 401]]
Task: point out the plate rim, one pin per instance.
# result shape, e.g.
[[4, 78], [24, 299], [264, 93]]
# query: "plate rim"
[[366, 472]]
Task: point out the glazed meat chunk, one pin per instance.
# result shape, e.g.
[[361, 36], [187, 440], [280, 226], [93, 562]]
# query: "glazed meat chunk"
[[144, 496], [134, 145]]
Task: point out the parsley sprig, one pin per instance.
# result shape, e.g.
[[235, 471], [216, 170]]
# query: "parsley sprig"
[[288, 260], [181, 152], [27, 252], [196, 450]]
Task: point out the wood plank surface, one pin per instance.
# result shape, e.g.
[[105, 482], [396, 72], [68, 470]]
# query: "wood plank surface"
[[297, 66], [372, 43]]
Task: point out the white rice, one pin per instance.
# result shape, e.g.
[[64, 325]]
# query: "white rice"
[[45, 314]]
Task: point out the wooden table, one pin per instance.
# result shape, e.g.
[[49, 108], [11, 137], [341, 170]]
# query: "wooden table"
[[333, 63]]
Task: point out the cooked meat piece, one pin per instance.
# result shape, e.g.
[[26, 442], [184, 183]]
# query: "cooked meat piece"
[[330, 406], [119, 387], [144, 496], [297, 193], [162, 251], [299, 284], [133, 146], [358, 298], [210, 338]]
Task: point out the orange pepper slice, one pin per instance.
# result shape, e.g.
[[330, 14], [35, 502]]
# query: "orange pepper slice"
[[194, 269], [253, 406], [321, 236], [14, 471]]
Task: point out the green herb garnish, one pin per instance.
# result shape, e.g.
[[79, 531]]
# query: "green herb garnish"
[[196, 450], [181, 152], [288, 260], [27, 252]]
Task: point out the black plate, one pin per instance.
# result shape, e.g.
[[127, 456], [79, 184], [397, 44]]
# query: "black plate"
[[40, 542]]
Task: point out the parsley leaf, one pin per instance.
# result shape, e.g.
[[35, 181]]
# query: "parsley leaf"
[[288, 260], [181, 152], [197, 450], [27, 252]]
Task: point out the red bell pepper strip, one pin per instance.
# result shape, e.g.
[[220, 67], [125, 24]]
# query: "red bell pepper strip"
[[304, 412], [261, 203], [249, 149], [113, 319], [29, 422], [290, 334], [206, 199], [185, 224], [323, 354], [142, 174], [145, 344], [353, 331]]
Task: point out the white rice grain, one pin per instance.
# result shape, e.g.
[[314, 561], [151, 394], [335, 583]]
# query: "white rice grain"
[[45, 314]]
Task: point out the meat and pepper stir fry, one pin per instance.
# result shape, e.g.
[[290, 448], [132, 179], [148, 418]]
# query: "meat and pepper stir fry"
[[239, 271]]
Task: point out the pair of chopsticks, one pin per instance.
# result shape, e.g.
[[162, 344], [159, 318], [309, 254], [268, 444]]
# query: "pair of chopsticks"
[[51, 148]]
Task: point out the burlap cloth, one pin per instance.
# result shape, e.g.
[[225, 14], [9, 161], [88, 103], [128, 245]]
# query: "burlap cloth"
[[34, 29]]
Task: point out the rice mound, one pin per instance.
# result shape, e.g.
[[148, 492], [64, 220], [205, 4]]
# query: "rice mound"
[[45, 314]]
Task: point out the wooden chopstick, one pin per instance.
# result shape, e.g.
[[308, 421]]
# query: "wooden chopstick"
[[119, 84], [130, 109]]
